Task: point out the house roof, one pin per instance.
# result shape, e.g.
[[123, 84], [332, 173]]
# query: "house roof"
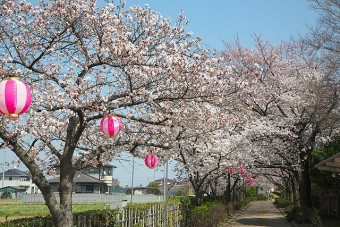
[[330, 164], [119, 190], [109, 165], [80, 178], [13, 188], [183, 182], [16, 172], [161, 180], [104, 165]]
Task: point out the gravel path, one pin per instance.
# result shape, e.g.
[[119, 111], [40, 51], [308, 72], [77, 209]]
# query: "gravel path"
[[258, 214]]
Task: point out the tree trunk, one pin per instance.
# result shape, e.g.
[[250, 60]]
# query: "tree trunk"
[[65, 218], [227, 192], [213, 190], [228, 195], [67, 172], [199, 196], [294, 179], [305, 186]]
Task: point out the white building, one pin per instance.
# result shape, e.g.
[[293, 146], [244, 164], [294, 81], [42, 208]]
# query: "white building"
[[18, 178]]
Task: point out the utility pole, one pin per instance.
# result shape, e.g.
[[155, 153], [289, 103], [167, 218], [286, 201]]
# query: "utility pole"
[[166, 193], [133, 172], [3, 170]]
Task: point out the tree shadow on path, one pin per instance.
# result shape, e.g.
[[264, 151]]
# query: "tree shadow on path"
[[269, 222]]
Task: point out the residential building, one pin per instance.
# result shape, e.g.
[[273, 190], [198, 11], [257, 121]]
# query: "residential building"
[[176, 187], [103, 173], [17, 178], [83, 183], [90, 180], [170, 182]]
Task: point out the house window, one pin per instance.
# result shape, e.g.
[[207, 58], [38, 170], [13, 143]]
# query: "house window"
[[89, 188], [84, 189], [109, 171], [104, 173], [94, 170], [9, 178], [79, 189]]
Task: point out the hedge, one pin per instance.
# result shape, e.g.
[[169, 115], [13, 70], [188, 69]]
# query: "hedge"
[[283, 203], [98, 218]]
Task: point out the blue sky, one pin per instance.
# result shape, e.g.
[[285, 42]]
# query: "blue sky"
[[142, 174], [215, 21], [218, 20]]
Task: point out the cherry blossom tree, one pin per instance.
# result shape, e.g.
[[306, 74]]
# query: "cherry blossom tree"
[[207, 143], [294, 108], [84, 62], [199, 155], [324, 37]]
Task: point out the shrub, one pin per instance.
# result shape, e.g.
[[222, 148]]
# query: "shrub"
[[251, 192], [200, 216], [242, 203], [98, 218], [38, 221], [186, 203], [210, 214], [277, 193], [219, 211], [297, 214], [283, 203], [6, 194], [252, 198], [304, 216], [261, 197]]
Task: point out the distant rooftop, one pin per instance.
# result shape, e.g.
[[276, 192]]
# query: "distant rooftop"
[[80, 178], [16, 172], [13, 188], [105, 165]]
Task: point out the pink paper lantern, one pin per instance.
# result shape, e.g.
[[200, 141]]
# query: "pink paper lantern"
[[230, 170], [151, 161], [15, 97], [242, 171], [111, 125]]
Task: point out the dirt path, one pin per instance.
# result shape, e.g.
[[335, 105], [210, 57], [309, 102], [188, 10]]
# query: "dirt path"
[[258, 214]]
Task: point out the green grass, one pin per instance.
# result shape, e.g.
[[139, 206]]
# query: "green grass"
[[16, 208]]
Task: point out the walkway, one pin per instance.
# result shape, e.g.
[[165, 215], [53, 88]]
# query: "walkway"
[[258, 214]]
